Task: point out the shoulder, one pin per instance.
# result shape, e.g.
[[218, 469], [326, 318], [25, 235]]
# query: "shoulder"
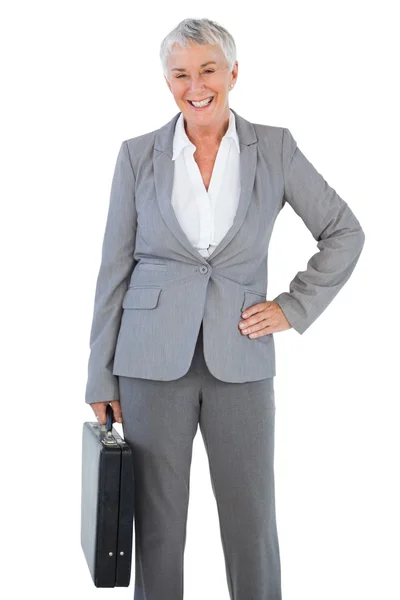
[[271, 139], [265, 130], [266, 133], [141, 142], [140, 149], [279, 139]]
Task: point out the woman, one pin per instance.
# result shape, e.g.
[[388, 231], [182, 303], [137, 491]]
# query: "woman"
[[184, 258]]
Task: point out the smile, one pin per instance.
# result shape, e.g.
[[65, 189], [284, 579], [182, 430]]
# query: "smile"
[[202, 104]]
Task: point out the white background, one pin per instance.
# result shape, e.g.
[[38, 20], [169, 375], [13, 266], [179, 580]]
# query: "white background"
[[80, 77]]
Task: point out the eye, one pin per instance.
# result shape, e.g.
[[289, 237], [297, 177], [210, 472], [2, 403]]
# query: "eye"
[[206, 71]]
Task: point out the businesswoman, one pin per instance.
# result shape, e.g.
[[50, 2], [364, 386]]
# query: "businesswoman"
[[182, 331]]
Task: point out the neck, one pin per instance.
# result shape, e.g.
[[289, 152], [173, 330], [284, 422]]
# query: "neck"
[[208, 135]]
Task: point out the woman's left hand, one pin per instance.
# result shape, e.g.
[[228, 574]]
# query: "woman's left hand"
[[263, 318]]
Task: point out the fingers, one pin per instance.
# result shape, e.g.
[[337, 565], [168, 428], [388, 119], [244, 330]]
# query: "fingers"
[[255, 322], [264, 322], [99, 409], [116, 406], [260, 328]]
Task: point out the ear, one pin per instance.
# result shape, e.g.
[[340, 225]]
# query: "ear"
[[235, 72]]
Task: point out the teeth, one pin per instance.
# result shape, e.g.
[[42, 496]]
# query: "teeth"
[[203, 103]]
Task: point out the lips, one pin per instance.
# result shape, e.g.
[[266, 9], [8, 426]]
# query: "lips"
[[201, 107]]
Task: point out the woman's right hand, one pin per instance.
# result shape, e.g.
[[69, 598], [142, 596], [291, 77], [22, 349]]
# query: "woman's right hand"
[[99, 409]]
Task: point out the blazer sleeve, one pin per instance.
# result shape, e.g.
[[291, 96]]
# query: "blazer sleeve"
[[338, 233], [117, 264]]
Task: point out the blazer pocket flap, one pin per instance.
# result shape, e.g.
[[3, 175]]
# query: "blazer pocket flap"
[[252, 297], [141, 297]]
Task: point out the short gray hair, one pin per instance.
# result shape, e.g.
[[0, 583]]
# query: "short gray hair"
[[199, 31]]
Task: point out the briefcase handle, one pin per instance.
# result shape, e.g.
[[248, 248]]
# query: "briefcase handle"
[[109, 416], [108, 439]]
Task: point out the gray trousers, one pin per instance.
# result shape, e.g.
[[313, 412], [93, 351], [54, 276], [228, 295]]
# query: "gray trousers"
[[160, 420]]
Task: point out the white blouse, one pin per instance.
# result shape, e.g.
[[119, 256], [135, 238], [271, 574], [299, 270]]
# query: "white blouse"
[[206, 216]]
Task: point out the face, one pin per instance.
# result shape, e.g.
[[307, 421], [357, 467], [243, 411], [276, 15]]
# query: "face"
[[190, 78]]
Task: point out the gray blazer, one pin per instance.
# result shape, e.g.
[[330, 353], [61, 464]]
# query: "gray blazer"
[[154, 288]]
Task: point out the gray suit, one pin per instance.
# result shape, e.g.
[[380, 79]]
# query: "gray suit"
[[165, 341], [154, 289]]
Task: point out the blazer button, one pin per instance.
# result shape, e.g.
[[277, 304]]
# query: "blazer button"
[[203, 269]]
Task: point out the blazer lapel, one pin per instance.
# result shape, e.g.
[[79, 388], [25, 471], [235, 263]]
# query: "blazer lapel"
[[164, 174]]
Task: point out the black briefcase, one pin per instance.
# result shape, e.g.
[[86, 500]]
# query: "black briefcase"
[[107, 505]]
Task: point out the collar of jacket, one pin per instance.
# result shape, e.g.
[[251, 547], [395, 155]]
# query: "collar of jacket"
[[165, 135]]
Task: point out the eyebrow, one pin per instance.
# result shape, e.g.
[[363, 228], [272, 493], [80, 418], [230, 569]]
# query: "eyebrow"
[[203, 65]]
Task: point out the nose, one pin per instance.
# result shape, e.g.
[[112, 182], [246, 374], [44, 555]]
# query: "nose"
[[196, 86]]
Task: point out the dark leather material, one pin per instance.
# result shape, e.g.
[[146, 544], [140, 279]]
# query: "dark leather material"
[[107, 506]]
